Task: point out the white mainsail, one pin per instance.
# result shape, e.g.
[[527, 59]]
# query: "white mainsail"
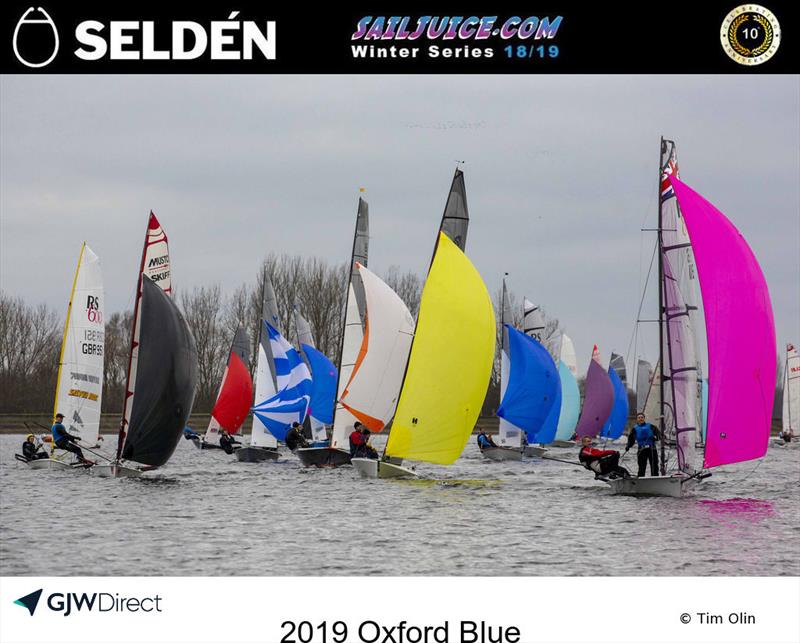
[[508, 435], [264, 383], [79, 385], [371, 392], [305, 336], [791, 392], [353, 336]]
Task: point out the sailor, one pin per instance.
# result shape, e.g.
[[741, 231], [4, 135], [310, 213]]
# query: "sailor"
[[190, 434], [787, 436], [356, 440], [645, 434], [601, 461], [294, 437], [485, 441], [367, 449], [226, 441], [63, 440], [30, 449]]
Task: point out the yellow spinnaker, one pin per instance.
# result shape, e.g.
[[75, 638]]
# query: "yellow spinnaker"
[[450, 362]]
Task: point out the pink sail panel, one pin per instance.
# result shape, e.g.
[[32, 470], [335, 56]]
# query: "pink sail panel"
[[740, 330], [598, 399]]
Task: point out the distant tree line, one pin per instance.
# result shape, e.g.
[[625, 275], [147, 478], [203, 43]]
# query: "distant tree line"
[[30, 334]]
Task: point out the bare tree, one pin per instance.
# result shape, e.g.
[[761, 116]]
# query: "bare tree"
[[408, 286]]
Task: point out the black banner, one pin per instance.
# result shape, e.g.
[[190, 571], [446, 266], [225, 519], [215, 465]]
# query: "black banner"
[[276, 38]]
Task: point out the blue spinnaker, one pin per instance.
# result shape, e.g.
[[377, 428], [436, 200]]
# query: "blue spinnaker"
[[570, 403], [534, 386], [323, 386], [615, 425]]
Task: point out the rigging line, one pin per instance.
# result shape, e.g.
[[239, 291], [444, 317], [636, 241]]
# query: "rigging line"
[[635, 334]]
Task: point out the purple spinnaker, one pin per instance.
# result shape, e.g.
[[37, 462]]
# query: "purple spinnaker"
[[740, 330], [598, 399]]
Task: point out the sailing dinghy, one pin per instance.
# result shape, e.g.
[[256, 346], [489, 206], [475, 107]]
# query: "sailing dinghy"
[[79, 383], [510, 437], [162, 368], [235, 394], [323, 381], [263, 445], [790, 409], [738, 313], [570, 394], [337, 453], [450, 359]]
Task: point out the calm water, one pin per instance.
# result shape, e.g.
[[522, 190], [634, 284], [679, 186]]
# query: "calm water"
[[206, 514]]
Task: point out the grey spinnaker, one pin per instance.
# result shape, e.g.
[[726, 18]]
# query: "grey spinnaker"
[[166, 376], [455, 220]]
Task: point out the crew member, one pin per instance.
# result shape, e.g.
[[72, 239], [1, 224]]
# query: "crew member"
[[190, 434], [485, 441], [30, 449], [63, 440], [645, 434], [601, 461], [295, 438], [226, 441]]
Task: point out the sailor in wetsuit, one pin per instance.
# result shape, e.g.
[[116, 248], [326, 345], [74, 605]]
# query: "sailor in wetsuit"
[[645, 434], [295, 438], [65, 441], [602, 461], [30, 449], [485, 441], [226, 441]]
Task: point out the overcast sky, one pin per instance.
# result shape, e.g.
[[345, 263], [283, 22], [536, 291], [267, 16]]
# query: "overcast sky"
[[561, 174]]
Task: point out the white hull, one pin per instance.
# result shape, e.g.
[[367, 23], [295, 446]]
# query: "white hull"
[[501, 454], [115, 471], [531, 451], [50, 464], [378, 469], [777, 442], [563, 444], [669, 486]]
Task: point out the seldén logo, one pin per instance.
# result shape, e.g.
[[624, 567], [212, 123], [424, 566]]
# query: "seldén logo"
[[36, 40], [70, 602], [29, 601]]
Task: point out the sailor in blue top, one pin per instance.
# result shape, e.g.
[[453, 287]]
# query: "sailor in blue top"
[[646, 435], [63, 440], [485, 441]]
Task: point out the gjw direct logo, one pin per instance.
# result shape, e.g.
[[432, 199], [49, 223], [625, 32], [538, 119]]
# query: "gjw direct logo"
[[71, 602], [36, 40]]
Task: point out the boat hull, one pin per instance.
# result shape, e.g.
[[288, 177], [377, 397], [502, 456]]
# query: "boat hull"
[[49, 464], [563, 444], [368, 468], [199, 444], [114, 470], [667, 486], [323, 457], [501, 454], [256, 454], [531, 451]]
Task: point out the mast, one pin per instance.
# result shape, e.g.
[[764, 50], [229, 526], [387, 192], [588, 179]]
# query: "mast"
[[66, 328], [346, 297], [661, 311]]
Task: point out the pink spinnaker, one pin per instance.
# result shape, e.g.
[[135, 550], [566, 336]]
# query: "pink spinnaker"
[[740, 330]]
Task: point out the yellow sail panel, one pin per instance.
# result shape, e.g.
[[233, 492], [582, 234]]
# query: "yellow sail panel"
[[450, 362]]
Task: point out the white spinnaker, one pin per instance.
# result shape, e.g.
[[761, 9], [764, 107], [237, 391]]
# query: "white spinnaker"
[[374, 384], [353, 335], [791, 391], [568, 355], [155, 265], [79, 388]]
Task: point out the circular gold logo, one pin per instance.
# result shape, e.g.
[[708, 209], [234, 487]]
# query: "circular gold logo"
[[750, 34]]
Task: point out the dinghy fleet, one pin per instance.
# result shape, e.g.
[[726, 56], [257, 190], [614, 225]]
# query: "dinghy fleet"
[[424, 380]]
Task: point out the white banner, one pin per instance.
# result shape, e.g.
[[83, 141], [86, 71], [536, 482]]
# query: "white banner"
[[399, 610]]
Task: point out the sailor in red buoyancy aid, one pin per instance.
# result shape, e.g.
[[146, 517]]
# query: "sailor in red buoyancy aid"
[[604, 462]]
